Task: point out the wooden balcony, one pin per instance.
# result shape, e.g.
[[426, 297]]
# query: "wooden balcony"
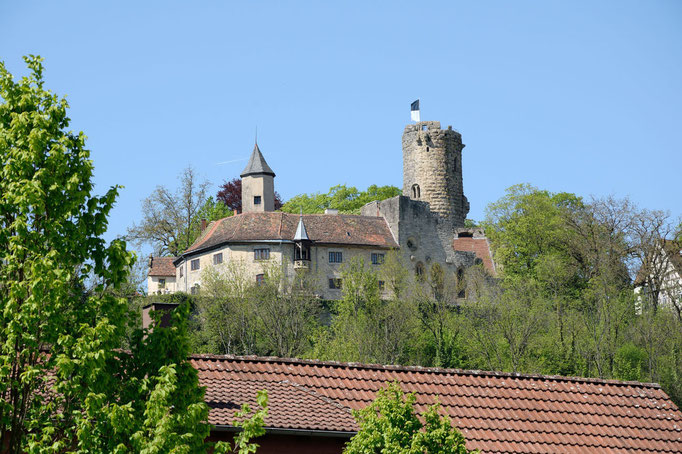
[[301, 264]]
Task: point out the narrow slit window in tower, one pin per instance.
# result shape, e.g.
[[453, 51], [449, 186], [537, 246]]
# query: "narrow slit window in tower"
[[415, 191]]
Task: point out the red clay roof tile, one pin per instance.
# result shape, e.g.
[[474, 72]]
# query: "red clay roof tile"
[[480, 247], [497, 412], [162, 266]]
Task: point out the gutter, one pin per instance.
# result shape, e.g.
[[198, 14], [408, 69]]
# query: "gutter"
[[294, 432]]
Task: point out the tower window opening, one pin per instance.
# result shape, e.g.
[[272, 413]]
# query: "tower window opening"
[[415, 191], [424, 127], [256, 200], [427, 148]]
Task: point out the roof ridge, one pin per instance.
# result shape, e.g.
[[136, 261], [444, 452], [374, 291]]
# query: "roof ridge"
[[202, 238], [438, 370]]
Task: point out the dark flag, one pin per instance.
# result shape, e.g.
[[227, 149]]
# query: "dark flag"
[[414, 111]]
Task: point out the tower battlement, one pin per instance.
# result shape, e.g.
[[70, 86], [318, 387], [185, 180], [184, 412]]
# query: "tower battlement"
[[432, 170]]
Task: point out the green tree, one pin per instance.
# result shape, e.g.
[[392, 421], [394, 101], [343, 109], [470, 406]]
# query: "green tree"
[[526, 224], [364, 328], [66, 382], [390, 425], [50, 229], [340, 197]]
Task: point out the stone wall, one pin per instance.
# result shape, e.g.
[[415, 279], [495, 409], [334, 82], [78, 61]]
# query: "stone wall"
[[424, 236], [432, 170], [258, 185]]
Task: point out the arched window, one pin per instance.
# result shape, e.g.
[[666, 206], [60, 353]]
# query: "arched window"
[[415, 191]]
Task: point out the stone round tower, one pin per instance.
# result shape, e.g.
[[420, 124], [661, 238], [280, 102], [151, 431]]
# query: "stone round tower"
[[432, 170]]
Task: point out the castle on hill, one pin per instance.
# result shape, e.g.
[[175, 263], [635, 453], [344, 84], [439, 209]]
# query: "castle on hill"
[[425, 224]]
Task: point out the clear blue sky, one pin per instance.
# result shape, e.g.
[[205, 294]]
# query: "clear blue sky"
[[578, 96]]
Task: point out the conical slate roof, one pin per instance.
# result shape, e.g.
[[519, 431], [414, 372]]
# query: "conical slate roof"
[[301, 234], [257, 164]]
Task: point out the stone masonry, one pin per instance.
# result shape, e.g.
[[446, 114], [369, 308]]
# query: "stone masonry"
[[423, 236], [432, 170]]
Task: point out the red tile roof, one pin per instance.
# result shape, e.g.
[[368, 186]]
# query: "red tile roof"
[[479, 246], [496, 412], [162, 266], [321, 228], [291, 406]]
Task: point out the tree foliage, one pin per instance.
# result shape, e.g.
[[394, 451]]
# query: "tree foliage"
[[563, 301], [77, 373], [170, 219], [340, 197], [50, 229], [390, 425], [237, 315]]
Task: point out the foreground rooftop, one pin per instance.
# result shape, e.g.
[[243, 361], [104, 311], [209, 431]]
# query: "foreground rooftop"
[[496, 412]]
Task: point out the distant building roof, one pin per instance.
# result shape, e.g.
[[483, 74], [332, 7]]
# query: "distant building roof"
[[478, 246], [496, 412], [162, 266], [257, 164], [277, 226]]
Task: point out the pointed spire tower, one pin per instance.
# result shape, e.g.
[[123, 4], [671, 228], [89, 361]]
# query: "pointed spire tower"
[[301, 246], [258, 184]]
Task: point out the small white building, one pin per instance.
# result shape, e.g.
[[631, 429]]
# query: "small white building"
[[659, 280], [161, 276]]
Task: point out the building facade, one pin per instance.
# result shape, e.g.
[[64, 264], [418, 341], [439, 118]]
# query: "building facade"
[[161, 275], [423, 224]]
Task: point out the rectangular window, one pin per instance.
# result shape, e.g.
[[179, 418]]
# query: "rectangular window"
[[256, 200], [335, 257], [334, 283], [162, 283], [382, 285], [194, 265], [260, 279], [261, 254], [377, 259], [182, 269], [218, 258]]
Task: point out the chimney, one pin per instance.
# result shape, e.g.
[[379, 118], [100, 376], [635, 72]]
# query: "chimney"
[[165, 310], [203, 225]]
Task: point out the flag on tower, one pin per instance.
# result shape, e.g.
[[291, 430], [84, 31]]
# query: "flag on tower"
[[414, 111]]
